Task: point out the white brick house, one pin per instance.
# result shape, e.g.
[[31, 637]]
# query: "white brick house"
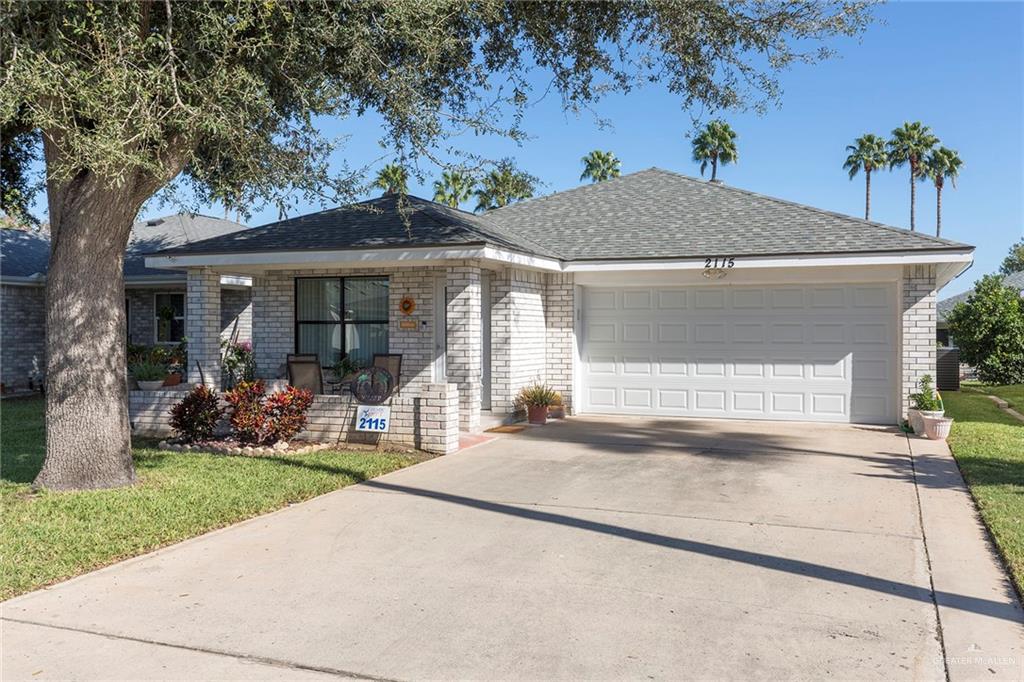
[[650, 294]]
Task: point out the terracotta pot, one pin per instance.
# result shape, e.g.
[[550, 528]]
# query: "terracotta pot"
[[937, 428], [537, 414], [172, 379], [556, 411]]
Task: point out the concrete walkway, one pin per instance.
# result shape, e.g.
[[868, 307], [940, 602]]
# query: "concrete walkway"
[[592, 548]]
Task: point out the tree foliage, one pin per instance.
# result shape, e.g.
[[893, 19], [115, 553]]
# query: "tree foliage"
[[867, 153], [989, 330], [453, 188], [714, 145], [1014, 261], [134, 92], [393, 179], [504, 185], [599, 166]]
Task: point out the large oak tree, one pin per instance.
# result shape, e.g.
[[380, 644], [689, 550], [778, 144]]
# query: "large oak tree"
[[221, 99]]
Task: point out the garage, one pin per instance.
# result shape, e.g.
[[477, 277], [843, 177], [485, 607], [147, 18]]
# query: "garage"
[[814, 352]]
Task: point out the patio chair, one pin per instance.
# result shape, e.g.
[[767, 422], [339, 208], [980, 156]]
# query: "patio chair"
[[392, 362], [282, 369], [306, 374]]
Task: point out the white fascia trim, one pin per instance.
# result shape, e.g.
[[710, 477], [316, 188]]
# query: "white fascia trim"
[[903, 258], [300, 259]]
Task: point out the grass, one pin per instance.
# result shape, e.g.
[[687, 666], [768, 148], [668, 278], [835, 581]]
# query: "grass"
[[46, 536], [1013, 394], [988, 445]]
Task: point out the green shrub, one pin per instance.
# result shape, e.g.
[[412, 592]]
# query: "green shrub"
[[928, 400], [537, 395], [989, 330], [149, 371]]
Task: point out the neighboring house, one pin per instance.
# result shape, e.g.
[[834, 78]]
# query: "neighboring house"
[[945, 306], [154, 299], [652, 294]]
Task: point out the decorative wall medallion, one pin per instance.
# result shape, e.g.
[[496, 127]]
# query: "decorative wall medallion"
[[408, 305], [373, 385]]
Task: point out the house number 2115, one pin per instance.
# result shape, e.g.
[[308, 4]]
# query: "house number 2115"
[[719, 262]]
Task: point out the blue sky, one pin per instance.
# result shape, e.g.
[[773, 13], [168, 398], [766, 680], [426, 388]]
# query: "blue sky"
[[957, 67]]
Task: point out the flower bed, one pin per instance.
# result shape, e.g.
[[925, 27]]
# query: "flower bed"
[[233, 447]]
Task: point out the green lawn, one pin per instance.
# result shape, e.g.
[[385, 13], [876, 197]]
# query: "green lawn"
[[1013, 394], [988, 444], [46, 537]]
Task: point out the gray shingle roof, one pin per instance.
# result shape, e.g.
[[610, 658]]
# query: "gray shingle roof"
[[943, 307], [385, 222], [660, 214], [23, 254]]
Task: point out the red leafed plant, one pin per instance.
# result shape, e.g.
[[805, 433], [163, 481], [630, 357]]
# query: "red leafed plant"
[[264, 420], [196, 416]]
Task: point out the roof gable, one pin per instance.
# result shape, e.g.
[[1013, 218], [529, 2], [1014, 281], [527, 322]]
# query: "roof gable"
[[386, 222]]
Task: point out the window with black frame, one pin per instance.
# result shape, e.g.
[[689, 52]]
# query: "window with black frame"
[[335, 316]]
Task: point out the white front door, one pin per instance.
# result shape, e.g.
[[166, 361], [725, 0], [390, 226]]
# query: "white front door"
[[815, 352]]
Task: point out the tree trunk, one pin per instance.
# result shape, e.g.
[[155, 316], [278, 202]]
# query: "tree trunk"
[[913, 194], [714, 168], [867, 194], [938, 210], [88, 442]]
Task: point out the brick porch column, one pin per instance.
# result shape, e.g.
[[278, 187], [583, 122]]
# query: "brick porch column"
[[465, 339], [917, 342], [202, 326]]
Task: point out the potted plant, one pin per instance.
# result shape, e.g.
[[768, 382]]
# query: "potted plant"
[[557, 409], [937, 428], [927, 403], [150, 375], [537, 398]]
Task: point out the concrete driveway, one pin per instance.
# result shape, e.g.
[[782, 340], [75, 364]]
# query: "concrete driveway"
[[591, 548]]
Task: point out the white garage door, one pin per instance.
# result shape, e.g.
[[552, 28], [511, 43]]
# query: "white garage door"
[[820, 353]]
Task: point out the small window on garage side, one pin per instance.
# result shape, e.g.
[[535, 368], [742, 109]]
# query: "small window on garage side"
[[169, 311]]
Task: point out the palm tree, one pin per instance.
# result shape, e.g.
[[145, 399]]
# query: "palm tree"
[[910, 145], [453, 188], [942, 163], [503, 186], [715, 144], [599, 166], [868, 153], [393, 179]]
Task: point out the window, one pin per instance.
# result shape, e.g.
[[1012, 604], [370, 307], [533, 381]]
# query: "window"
[[169, 311], [321, 326]]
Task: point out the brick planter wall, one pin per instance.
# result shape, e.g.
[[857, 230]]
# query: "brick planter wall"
[[427, 419]]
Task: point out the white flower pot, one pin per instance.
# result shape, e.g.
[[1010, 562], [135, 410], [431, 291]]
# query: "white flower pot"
[[937, 428], [922, 415], [151, 385], [914, 418]]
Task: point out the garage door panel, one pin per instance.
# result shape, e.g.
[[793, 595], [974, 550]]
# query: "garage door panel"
[[819, 352]]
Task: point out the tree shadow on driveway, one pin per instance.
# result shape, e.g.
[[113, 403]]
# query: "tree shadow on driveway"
[[994, 609]]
